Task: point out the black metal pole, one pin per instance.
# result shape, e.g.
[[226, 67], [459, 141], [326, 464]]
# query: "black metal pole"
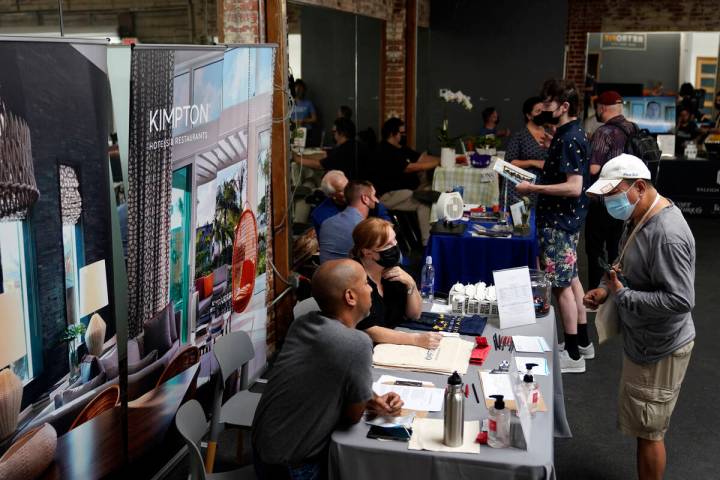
[[62, 26]]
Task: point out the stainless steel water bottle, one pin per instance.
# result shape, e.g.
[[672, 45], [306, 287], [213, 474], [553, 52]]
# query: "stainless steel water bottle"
[[454, 412]]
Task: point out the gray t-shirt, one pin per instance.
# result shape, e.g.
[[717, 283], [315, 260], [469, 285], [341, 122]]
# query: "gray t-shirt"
[[660, 271], [323, 367]]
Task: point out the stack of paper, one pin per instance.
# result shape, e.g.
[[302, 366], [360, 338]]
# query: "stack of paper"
[[530, 344], [452, 355], [541, 367], [414, 398], [428, 435]]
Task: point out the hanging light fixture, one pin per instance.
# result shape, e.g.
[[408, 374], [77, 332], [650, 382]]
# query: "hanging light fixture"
[[18, 189], [70, 200]]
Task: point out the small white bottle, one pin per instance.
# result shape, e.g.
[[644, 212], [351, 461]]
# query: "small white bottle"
[[531, 392], [499, 424]]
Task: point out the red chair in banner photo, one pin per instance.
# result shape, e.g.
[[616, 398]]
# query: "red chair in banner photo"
[[244, 261]]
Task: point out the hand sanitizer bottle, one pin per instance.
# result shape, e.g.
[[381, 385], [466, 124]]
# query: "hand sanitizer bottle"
[[530, 390], [499, 424]]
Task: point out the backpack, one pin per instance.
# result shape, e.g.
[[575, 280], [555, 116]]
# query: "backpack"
[[640, 143]]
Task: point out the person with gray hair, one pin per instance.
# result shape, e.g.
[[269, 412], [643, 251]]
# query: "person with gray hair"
[[652, 286], [322, 379], [333, 185]]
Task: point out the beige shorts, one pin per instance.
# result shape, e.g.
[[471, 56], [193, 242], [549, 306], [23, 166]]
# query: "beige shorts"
[[648, 394]]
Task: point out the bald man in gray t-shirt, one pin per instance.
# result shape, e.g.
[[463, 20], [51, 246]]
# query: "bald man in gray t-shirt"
[[322, 377]]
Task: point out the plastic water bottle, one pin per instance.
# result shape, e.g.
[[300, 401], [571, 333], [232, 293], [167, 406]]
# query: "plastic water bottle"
[[427, 280]]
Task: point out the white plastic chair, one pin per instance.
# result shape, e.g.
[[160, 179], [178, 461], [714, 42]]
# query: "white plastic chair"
[[192, 425]]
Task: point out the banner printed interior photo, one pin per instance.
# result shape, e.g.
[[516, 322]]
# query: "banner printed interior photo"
[[199, 189], [57, 286]]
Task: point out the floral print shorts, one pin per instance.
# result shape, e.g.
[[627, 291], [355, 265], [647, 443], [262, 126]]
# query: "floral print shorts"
[[558, 255]]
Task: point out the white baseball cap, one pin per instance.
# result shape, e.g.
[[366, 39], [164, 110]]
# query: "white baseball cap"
[[616, 170]]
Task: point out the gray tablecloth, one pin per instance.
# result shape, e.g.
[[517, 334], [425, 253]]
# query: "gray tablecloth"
[[354, 456]]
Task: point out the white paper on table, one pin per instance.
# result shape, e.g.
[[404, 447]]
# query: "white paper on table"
[[440, 308], [529, 344], [390, 422], [497, 384], [414, 398], [540, 369], [428, 435], [453, 354], [514, 297], [544, 344]]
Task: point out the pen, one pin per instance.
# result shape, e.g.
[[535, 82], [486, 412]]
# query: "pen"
[[477, 399], [467, 390]]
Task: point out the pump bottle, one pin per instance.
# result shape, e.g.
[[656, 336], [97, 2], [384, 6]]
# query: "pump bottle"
[[499, 424], [531, 393]]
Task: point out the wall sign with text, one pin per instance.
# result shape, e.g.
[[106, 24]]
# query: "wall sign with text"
[[623, 41]]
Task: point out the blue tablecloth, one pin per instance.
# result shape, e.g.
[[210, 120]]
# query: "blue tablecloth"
[[469, 259]]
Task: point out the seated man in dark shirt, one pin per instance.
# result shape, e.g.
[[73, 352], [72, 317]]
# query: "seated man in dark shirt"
[[321, 379], [348, 155], [686, 131], [333, 185], [394, 174]]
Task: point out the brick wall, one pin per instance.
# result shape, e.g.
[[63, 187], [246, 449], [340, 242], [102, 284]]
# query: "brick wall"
[[151, 21], [586, 16], [240, 25]]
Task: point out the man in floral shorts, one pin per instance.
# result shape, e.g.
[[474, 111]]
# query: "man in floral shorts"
[[561, 211]]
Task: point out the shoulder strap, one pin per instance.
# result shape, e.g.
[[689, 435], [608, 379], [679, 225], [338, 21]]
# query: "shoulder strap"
[[637, 228]]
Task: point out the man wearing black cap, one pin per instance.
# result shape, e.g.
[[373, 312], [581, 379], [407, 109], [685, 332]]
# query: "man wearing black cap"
[[602, 232]]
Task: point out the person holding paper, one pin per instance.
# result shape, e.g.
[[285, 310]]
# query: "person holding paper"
[[394, 294], [562, 208], [653, 289], [322, 378]]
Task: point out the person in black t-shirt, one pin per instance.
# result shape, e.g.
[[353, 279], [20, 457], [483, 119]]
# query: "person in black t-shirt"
[[348, 156], [394, 294], [394, 174]]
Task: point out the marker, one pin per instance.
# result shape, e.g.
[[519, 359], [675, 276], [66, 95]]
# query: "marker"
[[477, 399], [467, 390]]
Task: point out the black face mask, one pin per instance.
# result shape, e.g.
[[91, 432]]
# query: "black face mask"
[[403, 140], [390, 257], [597, 117], [546, 117], [538, 119]]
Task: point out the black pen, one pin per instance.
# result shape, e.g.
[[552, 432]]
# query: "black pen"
[[477, 399]]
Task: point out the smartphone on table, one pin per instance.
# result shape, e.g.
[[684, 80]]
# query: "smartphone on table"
[[400, 434]]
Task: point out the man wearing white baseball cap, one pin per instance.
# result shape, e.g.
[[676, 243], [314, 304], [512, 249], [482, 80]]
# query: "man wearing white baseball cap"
[[652, 285]]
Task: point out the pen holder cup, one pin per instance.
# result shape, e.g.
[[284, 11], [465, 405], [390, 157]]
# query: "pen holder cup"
[[541, 288]]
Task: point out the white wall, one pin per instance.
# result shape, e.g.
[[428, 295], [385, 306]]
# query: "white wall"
[[295, 54], [693, 45]]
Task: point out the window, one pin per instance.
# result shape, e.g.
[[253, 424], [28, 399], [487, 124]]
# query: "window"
[[705, 71], [71, 209], [207, 88], [14, 277], [73, 262]]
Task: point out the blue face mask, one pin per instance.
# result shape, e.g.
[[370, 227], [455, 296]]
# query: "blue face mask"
[[618, 205]]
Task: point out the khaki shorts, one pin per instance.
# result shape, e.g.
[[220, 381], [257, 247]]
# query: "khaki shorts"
[[648, 394]]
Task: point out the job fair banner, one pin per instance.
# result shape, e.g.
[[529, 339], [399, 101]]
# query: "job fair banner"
[[198, 189]]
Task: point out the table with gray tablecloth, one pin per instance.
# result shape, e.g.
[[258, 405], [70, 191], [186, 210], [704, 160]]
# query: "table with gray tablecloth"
[[354, 456]]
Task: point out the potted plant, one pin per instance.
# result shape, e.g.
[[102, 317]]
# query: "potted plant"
[[72, 335], [447, 143]]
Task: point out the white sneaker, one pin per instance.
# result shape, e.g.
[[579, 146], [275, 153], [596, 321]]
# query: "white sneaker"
[[588, 353], [568, 365]]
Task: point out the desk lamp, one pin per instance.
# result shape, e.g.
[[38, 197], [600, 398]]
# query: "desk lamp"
[[12, 348], [93, 297]]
